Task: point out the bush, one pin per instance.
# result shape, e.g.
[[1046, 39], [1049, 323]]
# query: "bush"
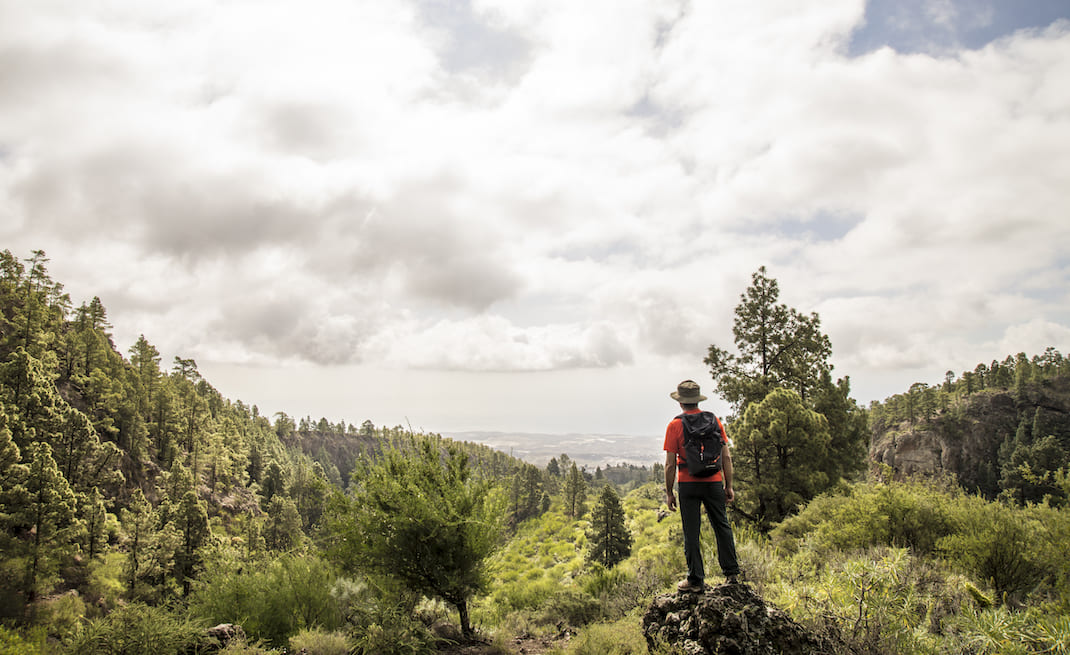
[[105, 588], [571, 606], [901, 515], [12, 643], [137, 629], [319, 642], [62, 614], [272, 602], [240, 647], [995, 544], [624, 637], [391, 631]]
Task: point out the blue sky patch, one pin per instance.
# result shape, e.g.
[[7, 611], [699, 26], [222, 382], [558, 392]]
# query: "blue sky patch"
[[938, 27]]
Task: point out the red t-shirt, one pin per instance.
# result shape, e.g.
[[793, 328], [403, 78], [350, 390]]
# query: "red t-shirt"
[[674, 443]]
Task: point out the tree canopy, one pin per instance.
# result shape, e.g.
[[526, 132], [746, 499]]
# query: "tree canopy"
[[420, 519], [777, 346], [797, 432]]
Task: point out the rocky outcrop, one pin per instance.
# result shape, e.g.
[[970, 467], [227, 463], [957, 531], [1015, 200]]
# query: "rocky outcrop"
[[221, 635], [965, 440], [726, 619]]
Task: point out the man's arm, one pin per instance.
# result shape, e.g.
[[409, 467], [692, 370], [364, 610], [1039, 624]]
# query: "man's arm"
[[726, 471], [670, 480]]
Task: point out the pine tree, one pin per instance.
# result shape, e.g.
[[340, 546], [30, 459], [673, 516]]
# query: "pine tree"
[[419, 518], [46, 514], [777, 443], [575, 492], [282, 530], [191, 523], [777, 347], [93, 513], [609, 539]]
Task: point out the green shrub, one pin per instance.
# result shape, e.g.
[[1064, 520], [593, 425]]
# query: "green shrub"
[[136, 629], [902, 515], [1054, 634], [319, 642], [240, 647], [106, 588], [996, 630], [274, 601], [521, 595], [993, 543], [601, 581], [623, 637], [12, 643], [571, 606], [62, 614], [391, 631]]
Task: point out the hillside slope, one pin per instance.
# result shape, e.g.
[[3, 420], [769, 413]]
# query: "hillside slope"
[[983, 438]]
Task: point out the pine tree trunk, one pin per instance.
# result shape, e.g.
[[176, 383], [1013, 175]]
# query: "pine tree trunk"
[[466, 626]]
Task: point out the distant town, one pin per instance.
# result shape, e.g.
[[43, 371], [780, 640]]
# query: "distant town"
[[590, 450]]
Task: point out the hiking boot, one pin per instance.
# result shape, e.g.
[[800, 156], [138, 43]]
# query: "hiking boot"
[[689, 586], [732, 579]]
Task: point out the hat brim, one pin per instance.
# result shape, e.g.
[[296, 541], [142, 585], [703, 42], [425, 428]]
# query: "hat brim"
[[688, 400]]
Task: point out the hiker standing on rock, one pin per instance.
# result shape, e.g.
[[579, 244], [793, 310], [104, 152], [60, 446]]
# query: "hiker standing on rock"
[[696, 449]]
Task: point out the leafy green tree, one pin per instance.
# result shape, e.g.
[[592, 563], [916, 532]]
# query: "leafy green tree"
[[777, 444], [776, 345], [609, 539], [419, 518], [11, 472], [575, 492], [780, 349]]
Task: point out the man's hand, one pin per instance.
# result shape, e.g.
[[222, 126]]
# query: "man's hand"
[[670, 500], [729, 494]]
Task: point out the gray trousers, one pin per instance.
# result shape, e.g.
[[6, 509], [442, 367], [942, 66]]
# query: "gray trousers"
[[694, 496]]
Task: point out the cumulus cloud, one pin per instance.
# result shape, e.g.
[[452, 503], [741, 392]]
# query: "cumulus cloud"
[[531, 186]]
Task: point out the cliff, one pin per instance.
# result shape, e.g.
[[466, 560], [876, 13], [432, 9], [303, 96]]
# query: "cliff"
[[975, 437]]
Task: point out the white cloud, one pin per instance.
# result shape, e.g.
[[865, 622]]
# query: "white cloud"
[[335, 183]]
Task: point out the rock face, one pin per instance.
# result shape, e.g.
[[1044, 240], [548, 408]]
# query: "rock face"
[[726, 619], [966, 441]]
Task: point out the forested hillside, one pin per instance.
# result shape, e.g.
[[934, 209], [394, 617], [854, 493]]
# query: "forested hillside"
[[121, 479], [1002, 429], [142, 512]]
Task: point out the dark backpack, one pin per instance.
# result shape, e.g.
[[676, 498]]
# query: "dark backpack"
[[702, 444]]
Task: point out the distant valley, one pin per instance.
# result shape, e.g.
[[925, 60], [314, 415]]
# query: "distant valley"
[[590, 450]]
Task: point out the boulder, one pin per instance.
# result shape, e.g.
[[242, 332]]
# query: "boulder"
[[224, 633], [727, 619]]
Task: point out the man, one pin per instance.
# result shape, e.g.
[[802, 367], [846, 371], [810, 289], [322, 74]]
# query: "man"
[[711, 493]]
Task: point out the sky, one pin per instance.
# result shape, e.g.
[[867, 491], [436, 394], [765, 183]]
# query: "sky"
[[537, 215]]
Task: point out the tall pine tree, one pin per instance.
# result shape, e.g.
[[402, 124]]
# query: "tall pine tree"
[[608, 538]]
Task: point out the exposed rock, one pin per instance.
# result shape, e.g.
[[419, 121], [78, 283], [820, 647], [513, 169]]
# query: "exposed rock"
[[965, 441], [224, 633], [727, 619]]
